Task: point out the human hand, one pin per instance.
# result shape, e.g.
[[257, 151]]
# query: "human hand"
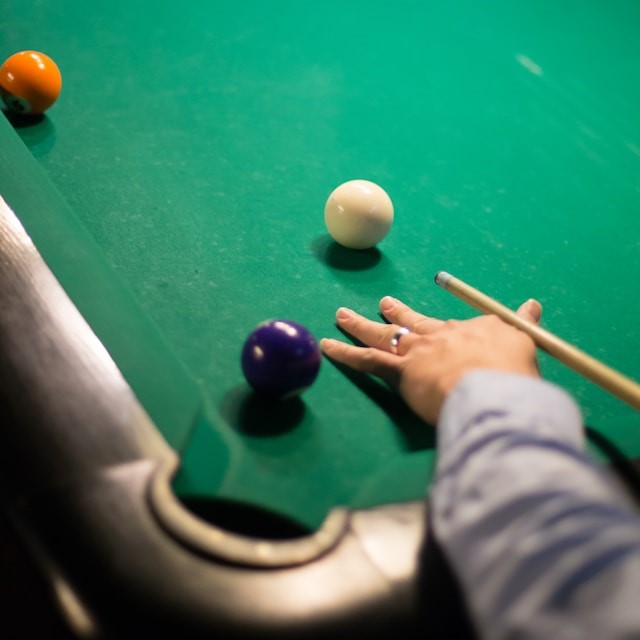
[[430, 360]]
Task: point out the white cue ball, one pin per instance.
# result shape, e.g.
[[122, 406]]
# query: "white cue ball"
[[358, 214]]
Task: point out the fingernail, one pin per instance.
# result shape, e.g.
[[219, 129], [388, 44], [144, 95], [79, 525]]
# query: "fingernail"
[[344, 314], [535, 309], [387, 303], [328, 344]]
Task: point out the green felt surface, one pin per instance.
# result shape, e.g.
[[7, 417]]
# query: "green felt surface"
[[196, 145]]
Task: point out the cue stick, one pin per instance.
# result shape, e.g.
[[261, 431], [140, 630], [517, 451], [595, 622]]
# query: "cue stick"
[[588, 366]]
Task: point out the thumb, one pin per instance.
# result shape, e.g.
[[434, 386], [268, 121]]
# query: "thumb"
[[530, 310]]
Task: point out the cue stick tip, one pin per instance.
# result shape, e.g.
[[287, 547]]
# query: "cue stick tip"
[[442, 279]]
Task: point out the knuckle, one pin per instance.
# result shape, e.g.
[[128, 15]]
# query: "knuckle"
[[368, 356], [406, 310], [341, 349], [402, 312], [427, 324], [384, 337], [490, 321]]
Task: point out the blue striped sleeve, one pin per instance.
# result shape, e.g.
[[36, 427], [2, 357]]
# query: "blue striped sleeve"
[[543, 543]]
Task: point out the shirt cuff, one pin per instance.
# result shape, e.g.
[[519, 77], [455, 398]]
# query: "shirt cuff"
[[528, 403]]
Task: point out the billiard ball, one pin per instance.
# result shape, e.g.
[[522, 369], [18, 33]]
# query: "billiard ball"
[[30, 82], [280, 358], [358, 214]]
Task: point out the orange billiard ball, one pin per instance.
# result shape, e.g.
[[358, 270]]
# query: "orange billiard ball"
[[30, 82]]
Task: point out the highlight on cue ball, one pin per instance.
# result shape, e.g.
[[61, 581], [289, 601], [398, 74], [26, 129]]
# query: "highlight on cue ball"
[[280, 359], [30, 82], [358, 214]]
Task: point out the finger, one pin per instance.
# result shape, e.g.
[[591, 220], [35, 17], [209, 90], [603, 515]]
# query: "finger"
[[401, 314], [367, 360], [530, 310], [368, 332]]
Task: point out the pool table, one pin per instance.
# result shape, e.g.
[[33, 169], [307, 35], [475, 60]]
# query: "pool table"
[[173, 198]]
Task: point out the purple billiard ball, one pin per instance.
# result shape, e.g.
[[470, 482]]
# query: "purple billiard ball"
[[280, 358]]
